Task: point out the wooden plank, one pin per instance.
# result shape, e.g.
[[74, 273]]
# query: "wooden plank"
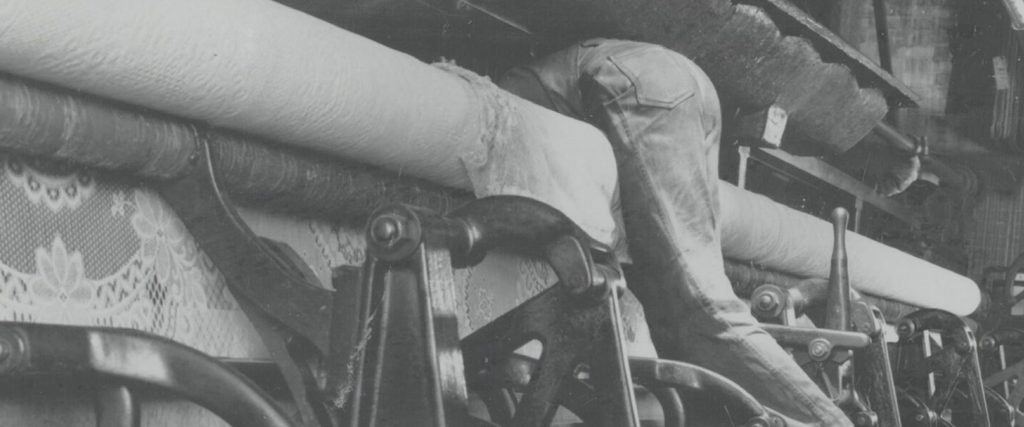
[[831, 175]]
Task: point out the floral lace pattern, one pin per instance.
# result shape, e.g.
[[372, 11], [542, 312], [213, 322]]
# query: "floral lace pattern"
[[88, 249], [54, 185]]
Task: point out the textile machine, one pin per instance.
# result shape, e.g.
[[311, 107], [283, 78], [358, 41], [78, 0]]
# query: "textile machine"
[[229, 105]]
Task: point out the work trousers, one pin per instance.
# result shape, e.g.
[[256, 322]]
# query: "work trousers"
[[661, 115]]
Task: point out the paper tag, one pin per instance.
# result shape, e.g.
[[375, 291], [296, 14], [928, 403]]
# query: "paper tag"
[[775, 125], [999, 72]]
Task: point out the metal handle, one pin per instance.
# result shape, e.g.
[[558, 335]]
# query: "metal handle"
[[837, 314]]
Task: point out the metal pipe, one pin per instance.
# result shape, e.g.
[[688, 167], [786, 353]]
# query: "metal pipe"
[[954, 177], [882, 33], [895, 138]]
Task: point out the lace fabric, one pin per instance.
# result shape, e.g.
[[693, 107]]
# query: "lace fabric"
[[91, 249]]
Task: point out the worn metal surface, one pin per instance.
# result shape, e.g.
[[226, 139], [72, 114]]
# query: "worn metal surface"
[[579, 339], [294, 316], [116, 406], [947, 378], [125, 356], [1004, 377], [874, 379], [863, 387], [412, 370], [837, 306]]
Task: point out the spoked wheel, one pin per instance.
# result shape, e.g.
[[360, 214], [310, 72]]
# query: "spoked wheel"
[[937, 367], [1005, 380], [916, 412], [1000, 411]]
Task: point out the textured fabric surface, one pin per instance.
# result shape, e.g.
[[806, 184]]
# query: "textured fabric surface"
[[188, 58], [754, 228], [185, 58], [255, 66], [82, 248]]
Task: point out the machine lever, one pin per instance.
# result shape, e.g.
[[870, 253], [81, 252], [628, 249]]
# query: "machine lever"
[[837, 315]]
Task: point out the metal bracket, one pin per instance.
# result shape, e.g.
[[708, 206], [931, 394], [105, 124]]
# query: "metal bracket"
[[938, 375], [409, 308], [298, 320]]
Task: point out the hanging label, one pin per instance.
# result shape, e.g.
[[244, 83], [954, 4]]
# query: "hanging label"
[[999, 72]]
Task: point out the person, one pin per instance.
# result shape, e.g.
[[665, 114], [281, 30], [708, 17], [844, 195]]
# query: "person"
[[661, 114]]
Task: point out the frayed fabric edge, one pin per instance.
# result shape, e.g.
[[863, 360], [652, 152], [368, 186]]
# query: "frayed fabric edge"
[[498, 116], [501, 124]]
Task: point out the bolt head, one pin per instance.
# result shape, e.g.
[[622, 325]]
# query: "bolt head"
[[581, 372], [905, 329], [393, 233], [819, 349], [385, 229], [767, 302], [987, 343]]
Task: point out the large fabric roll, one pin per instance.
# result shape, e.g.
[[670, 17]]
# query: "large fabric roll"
[[259, 67], [249, 65], [756, 228]]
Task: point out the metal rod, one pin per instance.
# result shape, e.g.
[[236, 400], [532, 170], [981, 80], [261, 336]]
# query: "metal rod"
[[900, 141], [882, 32], [926, 348], [744, 161], [895, 138]]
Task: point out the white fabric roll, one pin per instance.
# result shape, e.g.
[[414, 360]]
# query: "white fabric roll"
[[262, 68], [755, 228], [251, 65]]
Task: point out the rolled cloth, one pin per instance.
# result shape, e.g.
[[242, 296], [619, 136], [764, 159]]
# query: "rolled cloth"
[[756, 228], [261, 68], [54, 123]]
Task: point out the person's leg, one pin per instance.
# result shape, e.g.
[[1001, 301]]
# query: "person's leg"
[[661, 114]]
